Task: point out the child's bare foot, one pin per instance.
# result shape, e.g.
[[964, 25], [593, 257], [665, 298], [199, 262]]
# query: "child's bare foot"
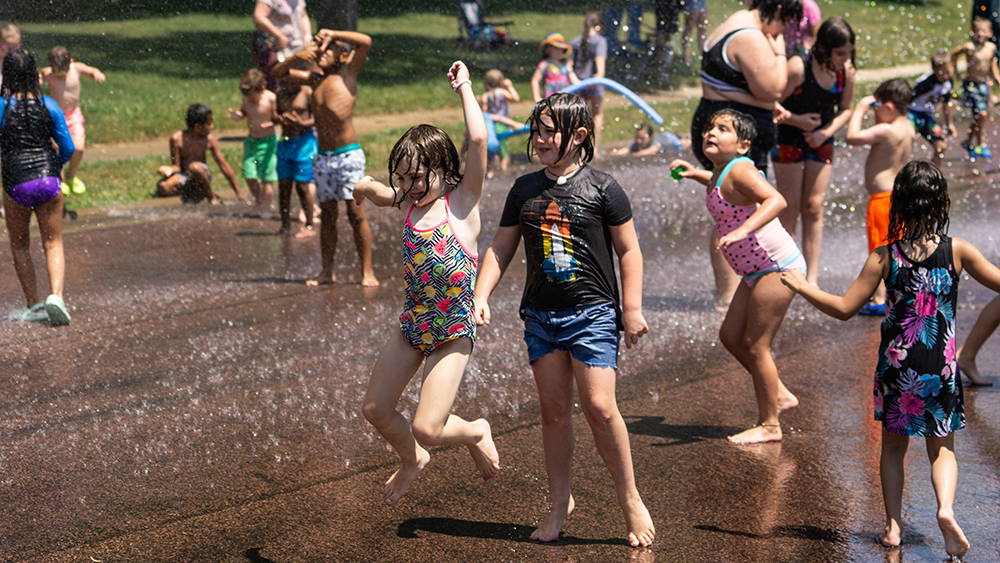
[[971, 372], [955, 543], [640, 526], [400, 481], [302, 216], [891, 536], [758, 434], [324, 278], [721, 306], [305, 232], [368, 280], [552, 525], [484, 452], [786, 402]]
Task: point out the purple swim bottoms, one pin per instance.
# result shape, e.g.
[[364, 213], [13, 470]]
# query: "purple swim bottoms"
[[35, 192]]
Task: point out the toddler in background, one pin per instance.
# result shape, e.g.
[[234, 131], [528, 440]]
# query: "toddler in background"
[[260, 161]]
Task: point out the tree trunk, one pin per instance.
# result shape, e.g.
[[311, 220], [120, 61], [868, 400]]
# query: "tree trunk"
[[335, 14]]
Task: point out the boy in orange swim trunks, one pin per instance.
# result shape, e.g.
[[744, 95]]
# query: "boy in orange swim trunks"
[[891, 139], [63, 78]]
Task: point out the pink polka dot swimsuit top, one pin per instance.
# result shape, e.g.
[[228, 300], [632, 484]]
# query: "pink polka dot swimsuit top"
[[764, 249]]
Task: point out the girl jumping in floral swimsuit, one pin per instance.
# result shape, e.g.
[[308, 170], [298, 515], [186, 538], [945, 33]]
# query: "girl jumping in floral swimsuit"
[[439, 268]]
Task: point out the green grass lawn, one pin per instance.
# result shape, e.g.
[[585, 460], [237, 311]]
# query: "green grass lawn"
[[156, 66]]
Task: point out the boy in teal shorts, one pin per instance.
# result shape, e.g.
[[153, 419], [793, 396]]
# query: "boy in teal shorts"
[[260, 163]]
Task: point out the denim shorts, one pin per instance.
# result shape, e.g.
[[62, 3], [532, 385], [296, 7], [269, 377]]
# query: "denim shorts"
[[589, 333]]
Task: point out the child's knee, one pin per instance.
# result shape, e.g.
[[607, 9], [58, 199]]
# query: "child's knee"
[[601, 414], [199, 170], [426, 433], [376, 414]]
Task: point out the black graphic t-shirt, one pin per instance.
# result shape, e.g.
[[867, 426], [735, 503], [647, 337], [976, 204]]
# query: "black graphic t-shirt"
[[567, 239]]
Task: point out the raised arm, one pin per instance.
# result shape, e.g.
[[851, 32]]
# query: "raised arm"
[[361, 42], [227, 171], [90, 72], [286, 71], [536, 84], [510, 92], [857, 295], [492, 268], [856, 135], [626, 245], [475, 131]]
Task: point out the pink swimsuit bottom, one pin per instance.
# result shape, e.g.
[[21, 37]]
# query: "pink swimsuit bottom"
[[769, 249]]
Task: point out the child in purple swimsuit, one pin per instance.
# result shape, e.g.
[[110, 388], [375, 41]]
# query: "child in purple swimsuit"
[[439, 268], [745, 208], [32, 170], [917, 390]]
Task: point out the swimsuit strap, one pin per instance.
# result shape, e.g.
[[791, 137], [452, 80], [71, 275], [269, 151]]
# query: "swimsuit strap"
[[447, 213], [730, 166]]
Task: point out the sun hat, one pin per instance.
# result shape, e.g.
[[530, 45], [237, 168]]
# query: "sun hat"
[[556, 40]]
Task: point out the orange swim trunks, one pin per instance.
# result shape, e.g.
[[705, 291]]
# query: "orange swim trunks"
[[877, 221]]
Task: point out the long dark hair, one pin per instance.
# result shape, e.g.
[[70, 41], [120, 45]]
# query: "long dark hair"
[[785, 10], [591, 23], [919, 203], [833, 34], [20, 78], [569, 112], [432, 151]]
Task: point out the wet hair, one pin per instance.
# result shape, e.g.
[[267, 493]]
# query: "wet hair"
[[569, 112], [981, 20], [591, 24], [785, 10], [252, 80], [59, 58], [940, 58], [434, 153], [493, 80], [645, 127], [919, 203], [743, 124], [20, 76], [898, 92], [833, 34], [197, 114]]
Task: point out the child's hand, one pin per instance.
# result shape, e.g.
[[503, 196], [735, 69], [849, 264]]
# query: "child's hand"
[[481, 312], [733, 237], [685, 167], [508, 83], [457, 73], [99, 76], [635, 327], [165, 171], [815, 138], [866, 103], [794, 280], [234, 114], [952, 130], [362, 189], [780, 113], [809, 122]]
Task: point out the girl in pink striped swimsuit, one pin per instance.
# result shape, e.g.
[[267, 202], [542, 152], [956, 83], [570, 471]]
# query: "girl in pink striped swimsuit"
[[745, 208]]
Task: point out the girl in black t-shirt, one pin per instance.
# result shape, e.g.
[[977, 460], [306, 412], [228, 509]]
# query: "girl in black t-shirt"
[[571, 218]]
